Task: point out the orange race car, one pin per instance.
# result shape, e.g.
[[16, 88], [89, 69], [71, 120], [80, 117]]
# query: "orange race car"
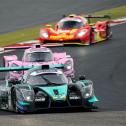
[[77, 30]]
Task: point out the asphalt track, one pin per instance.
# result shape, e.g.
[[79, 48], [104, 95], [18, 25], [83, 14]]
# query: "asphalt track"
[[15, 14], [104, 63]]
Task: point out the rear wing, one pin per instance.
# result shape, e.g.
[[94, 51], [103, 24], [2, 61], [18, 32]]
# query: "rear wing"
[[30, 45], [22, 68], [22, 46], [89, 17], [17, 68]]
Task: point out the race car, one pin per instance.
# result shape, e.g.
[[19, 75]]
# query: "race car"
[[39, 55], [77, 30], [44, 87]]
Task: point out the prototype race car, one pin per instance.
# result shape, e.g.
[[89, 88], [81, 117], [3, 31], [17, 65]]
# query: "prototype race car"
[[76, 29], [42, 87], [39, 55]]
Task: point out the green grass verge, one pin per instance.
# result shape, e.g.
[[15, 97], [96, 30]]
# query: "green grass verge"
[[33, 32]]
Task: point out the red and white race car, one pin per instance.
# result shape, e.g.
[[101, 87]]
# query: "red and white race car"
[[76, 29]]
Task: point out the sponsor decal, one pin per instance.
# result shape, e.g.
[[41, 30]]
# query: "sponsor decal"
[[39, 99], [54, 37]]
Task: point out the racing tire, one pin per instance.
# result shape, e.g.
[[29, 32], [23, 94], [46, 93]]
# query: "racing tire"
[[13, 100], [90, 36], [108, 32]]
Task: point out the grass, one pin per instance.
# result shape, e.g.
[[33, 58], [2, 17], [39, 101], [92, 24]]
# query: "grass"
[[117, 12], [33, 32], [19, 36]]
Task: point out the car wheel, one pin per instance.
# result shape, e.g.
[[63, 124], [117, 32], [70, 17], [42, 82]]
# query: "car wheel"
[[90, 37], [108, 32], [14, 100]]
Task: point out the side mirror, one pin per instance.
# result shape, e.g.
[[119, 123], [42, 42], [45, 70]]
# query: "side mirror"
[[74, 80], [82, 77]]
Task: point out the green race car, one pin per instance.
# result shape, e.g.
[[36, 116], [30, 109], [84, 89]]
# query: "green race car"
[[42, 87]]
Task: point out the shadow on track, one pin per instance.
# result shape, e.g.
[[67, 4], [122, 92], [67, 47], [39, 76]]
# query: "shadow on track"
[[50, 111]]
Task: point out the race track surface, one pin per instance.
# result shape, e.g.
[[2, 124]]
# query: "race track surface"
[[104, 63], [15, 14]]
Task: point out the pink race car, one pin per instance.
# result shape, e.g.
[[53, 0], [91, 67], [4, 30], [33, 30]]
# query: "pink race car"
[[38, 55]]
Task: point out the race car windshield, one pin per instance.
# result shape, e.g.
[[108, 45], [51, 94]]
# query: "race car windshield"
[[48, 79], [39, 57], [70, 25]]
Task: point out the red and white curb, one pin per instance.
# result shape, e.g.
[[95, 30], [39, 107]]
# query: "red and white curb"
[[30, 42], [1, 50], [118, 21]]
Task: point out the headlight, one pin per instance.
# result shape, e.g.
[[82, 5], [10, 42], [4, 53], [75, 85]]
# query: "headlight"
[[88, 91], [81, 33], [28, 95], [28, 98], [44, 34], [68, 65]]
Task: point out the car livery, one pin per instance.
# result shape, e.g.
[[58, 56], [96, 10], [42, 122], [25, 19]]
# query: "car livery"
[[44, 88], [76, 29], [38, 55]]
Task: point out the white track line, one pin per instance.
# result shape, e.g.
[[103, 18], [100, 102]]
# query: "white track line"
[[1, 50], [118, 21]]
